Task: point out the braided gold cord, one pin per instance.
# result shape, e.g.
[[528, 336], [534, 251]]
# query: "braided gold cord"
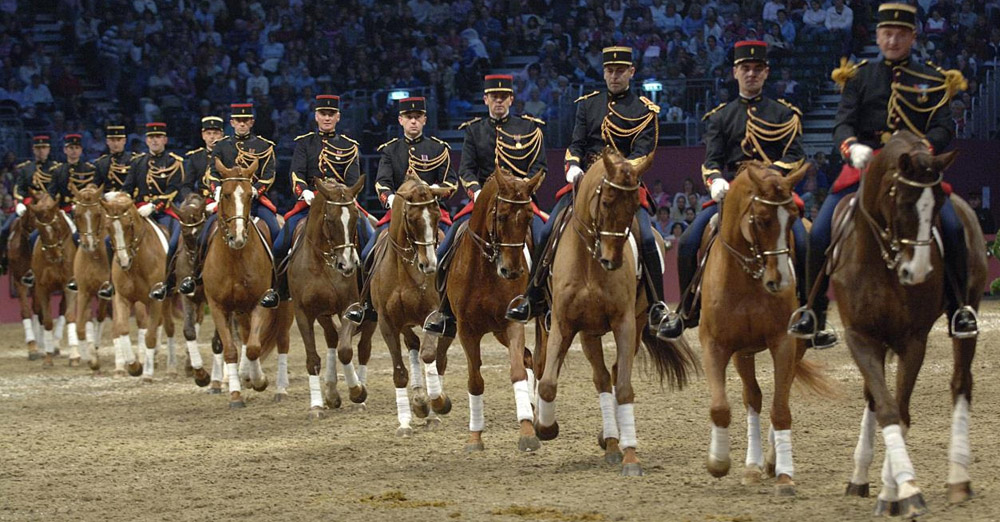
[[759, 130], [532, 148]]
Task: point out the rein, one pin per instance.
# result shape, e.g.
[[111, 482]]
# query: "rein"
[[490, 248], [592, 233], [890, 245], [754, 264]]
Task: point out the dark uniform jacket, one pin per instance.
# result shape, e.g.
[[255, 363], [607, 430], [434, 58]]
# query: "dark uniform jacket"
[[156, 178], [30, 175], [515, 142], [243, 150], [757, 128], [197, 173], [112, 170], [324, 155], [76, 175], [880, 98], [428, 157], [625, 121]]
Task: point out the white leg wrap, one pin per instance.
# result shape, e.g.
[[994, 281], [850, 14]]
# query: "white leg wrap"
[[609, 407], [29, 330], [60, 326], [546, 412], [899, 460], [755, 455], [959, 454], [147, 371], [120, 346], [350, 377], [48, 339], [315, 395], [218, 363], [72, 339], [234, 377], [331, 365], [477, 422], [522, 400], [434, 382], [282, 379], [532, 386], [98, 330], [864, 452], [783, 453], [37, 326], [128, 350], [243, 368], [718, 445], [141, 337], [416, 370], [403, 408], [626, 425], [256, 372], [889, 489], [197, 330], [171, 353], [90, 331], [363, 373], [194, 355]]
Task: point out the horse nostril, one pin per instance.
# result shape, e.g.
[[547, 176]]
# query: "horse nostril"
[[771, 286]]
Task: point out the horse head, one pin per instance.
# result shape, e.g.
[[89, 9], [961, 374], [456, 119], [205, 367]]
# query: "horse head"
[[191, 214], [122, 225], [88, 216], [614, 203], [340, 221], [416, 209], [235, 197], [52, 229], [766, 209], [508, 220]]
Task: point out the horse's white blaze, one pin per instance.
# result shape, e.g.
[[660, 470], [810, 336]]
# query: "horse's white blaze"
[[90, 229], [348, 255], [959, 454], [238, 198], [120, 245], [755, 455], [864, 452], [919, 266], [787, 277], [429, 232], [899, 460], [783, 453], [522, 400], [476, 419], [609, 408]]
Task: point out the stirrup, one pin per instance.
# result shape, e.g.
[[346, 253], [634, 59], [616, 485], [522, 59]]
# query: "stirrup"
[[796, 316], [673, 335], [355, 313], [517, 302], [964, 335], [658, 308], [547, 321]]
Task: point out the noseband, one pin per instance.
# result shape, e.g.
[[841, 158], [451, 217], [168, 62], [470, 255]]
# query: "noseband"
[[754, 264]]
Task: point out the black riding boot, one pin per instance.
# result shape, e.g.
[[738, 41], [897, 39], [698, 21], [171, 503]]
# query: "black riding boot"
[[442, 322], [962, 322], [28, 279], [811, 324], [673, 326], [161, 290], [658, 310], [528, 305], [363, 311]]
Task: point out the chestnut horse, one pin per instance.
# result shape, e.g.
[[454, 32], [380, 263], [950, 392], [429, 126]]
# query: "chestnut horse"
[[140, 256], [52, 263], [323, 281], [595, 289], [489, 269], [748, 290], [19, 254], [191, 215], [90, 269], [237, 272], [890, 287], [403, 290]]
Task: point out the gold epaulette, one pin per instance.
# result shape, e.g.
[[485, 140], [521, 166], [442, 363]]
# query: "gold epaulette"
[[306, 135], [713, 111], [788, 104], [649, 104], [195, 151], [265, 140], [22, 164], [846, 71], [384, 145], [442, 142], [223, 138], [348, 138], [470, 122], [953, 79], [176, 156], [102, 156], [585, 96], [534, 119]]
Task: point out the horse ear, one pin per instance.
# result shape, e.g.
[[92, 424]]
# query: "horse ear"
[[756, 173], [251, 171], [796, 176], [225, 171], [323, 189], [943, 161], [359, 185], [642, 164], [536, 181], [73, 190]]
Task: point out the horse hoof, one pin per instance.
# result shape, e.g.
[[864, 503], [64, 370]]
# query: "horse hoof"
[[784, 490], [433, 423], [632, 469], [359, 407], [404, 432], [135, 369], [601, 440], [280, 397], [717, 468], [333, 401], [912, 507], [47, 362], [34, 356], [528, 444], [885, 508], [56, 353], [419, 406], [547, 432], [94, 364], [958, 493], [235, 405], [147, 380], [201, 377], [260, 387], [473, 447], [189, 372], [752, 476], [613, 458], [441, 405], [216, 388], [856, 490], [74, 361], [359, 396], [317, 414]]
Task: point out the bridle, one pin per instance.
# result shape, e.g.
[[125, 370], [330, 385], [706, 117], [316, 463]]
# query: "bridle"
[[224, 221], [491, 246], [592, 234], [330, 253], [58, 242], [409, 252], [132, 248], [755, 263], [890, 245], [85, 234]]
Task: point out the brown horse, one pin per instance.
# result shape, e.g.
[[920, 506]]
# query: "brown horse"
[[403, 291], [890, 286], [748, 289], [19, 254], [191, 215], [327, 253], [52, 263], [140, 255], [90, 269], [594, 286], [237, 272], [489, 269]]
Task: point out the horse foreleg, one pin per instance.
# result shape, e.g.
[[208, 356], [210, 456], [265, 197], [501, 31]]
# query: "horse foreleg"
[[150, 338], [259, 317], [218, 363], [60, 321], [560, 338], [365, 351], [626, 339], [201, 377], [477, 421], [313, 362], [331, 337], [69, 300], [357, 391], [229, 353], [42, 300], [784, 357], [959, 454], [167, 313], [440, 402], [714, 360], [28, 318], [752, 399], [390, 333], [528, 440], [609, 436], [419, 403], [82, 326], [864, 452]]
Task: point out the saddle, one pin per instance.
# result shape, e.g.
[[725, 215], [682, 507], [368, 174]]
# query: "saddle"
[[441, 281]]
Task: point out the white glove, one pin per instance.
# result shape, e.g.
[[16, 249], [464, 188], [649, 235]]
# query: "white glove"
[[210, 208], [718, 189], [146, 210], [573, 173], [217, 195], [253, 190], [475, 195], [20, 209], [388, 200], [307, 196], [860, 155]]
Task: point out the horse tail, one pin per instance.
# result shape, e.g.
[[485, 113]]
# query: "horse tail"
[[812, 376], [674, 360]]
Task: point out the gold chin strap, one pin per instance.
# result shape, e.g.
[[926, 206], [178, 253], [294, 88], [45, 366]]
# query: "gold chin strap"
[[335, 160], [508, 153], [759, 130], [610, 131]]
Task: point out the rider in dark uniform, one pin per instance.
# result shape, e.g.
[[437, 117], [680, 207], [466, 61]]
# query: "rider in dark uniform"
[[426, 156], [621, 119], [112, 168], [515, 143], [198, 175], [754, 127], [32, 174], [895, 93]]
